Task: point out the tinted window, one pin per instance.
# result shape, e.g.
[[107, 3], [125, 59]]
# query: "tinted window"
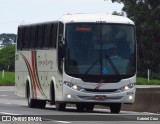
[[33, 37], [47, 37], [20, 38], [40, 36], [53, 35], [100, 49], [26, 38]]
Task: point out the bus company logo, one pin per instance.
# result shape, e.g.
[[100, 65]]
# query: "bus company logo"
[[99, 84], [6, 118], [45, 62]]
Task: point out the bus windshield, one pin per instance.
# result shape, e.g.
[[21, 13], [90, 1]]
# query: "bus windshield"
[[100, 49]]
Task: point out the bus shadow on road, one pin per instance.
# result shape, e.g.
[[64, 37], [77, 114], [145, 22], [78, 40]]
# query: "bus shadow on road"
[[73, 109]]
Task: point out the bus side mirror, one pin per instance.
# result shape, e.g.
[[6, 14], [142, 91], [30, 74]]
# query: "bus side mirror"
[[61, 49]]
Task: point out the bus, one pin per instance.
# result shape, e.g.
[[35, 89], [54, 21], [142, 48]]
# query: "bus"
[[81, 59]]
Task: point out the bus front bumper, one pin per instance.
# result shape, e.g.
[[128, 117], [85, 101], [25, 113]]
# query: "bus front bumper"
[[71, 96]]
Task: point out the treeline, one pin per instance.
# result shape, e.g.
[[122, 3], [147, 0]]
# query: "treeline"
[[7, 39], [7, 52], [146, 15]]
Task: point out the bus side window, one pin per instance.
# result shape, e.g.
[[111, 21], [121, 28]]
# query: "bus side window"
[[60, 35], [40, 36], [33, 38], [20, 38], [47, 33], [27, 38], [53, 35]]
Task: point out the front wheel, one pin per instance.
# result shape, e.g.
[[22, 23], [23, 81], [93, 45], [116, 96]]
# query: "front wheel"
[[89, 107], [115, 108], [60, 106]]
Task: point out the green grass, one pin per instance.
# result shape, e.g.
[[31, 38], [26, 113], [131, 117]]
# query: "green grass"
[[9, 79], [144, 81]]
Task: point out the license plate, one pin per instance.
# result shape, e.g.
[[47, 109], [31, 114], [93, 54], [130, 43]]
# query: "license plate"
[[100, 97]]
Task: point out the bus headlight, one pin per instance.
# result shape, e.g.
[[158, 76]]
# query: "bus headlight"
[[126, 88], [73, 86]]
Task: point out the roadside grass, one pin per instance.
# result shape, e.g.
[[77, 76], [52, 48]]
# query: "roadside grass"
[[8, 80], [144, 81]]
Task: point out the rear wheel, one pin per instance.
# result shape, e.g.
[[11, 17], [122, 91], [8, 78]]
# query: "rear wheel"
[[60, 106], [115, 108], [80, 107], [52, 94], [31, 102], [40, 103]]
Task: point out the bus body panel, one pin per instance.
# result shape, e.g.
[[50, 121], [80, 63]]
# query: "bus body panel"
[[41, 67]]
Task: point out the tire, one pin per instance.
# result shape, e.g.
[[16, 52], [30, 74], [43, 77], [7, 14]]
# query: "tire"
[[52, 94], [40, 104], [115, 108], [60, 106], [31, 102], [89, 107], [80, 107]]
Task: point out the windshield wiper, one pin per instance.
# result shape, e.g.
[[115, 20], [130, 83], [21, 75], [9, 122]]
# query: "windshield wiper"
[[113, 65], [86, 72]]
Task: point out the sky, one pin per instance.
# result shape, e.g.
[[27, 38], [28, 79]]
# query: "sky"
[[17, 12]]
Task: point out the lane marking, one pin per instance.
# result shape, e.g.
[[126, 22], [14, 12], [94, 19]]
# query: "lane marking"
[[3, 95], [8, 90], [64, 122], [6, 103], [6, 113]]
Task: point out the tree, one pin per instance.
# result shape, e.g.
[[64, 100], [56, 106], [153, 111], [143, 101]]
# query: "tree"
[[7, 39], [117, 13], [145, 14], [7, 58]]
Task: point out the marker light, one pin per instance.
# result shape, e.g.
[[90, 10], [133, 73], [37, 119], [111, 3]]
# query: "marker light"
[[130, 97], [68, 96], [126, 88], [75, 87]]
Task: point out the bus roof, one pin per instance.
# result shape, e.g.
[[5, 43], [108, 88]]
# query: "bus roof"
[[104, 18]]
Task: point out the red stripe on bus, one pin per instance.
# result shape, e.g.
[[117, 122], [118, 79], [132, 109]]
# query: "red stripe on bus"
[[32, 76]]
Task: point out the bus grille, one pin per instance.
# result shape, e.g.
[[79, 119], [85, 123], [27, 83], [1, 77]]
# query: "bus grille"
[[101, 90]]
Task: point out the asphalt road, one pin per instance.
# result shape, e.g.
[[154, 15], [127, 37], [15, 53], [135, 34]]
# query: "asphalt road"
[[14, 107]]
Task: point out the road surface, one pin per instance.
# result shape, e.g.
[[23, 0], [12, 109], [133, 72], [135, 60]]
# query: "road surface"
[[14, 106]]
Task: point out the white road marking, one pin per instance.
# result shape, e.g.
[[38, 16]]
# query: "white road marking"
[[6, 113], [7, 90], [3, 95], [64, 122], [8, 103]]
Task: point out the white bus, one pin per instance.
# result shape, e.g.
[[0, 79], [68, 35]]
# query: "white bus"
[[82, 59]]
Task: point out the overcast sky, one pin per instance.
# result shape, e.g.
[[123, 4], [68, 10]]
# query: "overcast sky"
[[16, 12]]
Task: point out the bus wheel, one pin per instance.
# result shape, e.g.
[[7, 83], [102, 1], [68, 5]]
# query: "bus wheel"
[[52, 93], [31, 102], [115, 108], [41, 103], [60, 106], [80, 107], [89, 107]]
